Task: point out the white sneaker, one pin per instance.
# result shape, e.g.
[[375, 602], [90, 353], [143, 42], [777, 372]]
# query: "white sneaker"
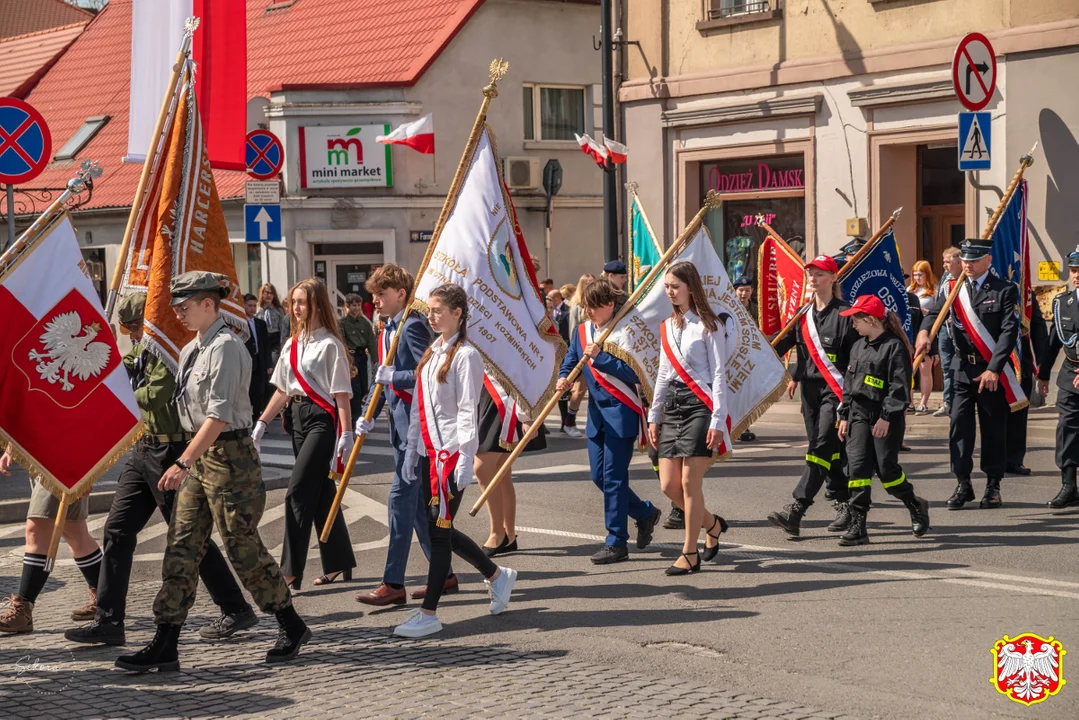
[[419, 624], [573, 432], [500, 588], [943, 411]]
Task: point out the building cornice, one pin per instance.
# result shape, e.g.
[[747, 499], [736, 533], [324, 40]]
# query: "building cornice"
[[739, 112], [352, 109], [899, 93]]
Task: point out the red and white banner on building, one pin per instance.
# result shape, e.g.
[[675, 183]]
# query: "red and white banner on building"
[[67, 409], [780, 284]]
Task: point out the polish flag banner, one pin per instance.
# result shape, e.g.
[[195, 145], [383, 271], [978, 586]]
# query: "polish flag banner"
[[419, 135], [616, 150], [67, 410], [593, 149]]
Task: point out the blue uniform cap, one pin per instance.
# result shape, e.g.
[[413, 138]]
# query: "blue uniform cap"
[[615, 267]]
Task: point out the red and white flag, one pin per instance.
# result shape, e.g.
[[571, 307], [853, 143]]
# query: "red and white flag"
[[419, 135], [616, 150], [66, 405], [594, 149]]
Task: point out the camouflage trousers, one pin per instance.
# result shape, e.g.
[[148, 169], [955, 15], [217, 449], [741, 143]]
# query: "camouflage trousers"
[[224, 488]]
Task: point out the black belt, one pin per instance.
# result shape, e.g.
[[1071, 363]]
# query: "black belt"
[[167, 438], [227, 435]]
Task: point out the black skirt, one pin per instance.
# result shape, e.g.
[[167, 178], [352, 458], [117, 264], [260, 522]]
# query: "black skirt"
[[491, 427], [683, 431]]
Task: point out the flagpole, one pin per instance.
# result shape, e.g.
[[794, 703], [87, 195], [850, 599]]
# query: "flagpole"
[[862, 251], [190, 26], [987, 234], [497, 71], [711, 202]]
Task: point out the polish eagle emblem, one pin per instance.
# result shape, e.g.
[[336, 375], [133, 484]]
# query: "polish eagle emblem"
[[1028, 669], [69, 350]]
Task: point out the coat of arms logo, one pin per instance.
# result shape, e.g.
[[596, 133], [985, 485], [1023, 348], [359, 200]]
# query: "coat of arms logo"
[[68, 349], [1028, 668]]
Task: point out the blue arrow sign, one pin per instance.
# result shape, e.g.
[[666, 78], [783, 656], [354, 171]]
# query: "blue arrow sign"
[[975, 133], [262, 223]]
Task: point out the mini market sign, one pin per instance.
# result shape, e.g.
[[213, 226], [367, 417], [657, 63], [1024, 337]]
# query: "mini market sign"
[[344, 156]]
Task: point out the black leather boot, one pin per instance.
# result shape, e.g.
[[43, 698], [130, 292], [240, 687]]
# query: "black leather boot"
[[161, 654], [856, 533], [991, 499], [293, 634], [97, 632], [789, 518], [842, 517], [1069, 494], [964, 493], [919, 515]]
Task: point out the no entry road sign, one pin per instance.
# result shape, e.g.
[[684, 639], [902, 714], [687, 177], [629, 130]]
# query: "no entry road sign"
[[974, 71], [264, 154], [25, 142]]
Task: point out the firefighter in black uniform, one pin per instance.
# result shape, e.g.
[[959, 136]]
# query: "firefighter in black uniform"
[[1033, 345], [872, 416], [1065, 334], [823, 338], [979, 382]]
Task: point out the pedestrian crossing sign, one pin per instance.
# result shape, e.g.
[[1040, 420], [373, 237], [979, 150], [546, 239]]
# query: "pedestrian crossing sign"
[[975, 131]]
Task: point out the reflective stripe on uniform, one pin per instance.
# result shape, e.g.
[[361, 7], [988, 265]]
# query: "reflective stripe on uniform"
[[820, 461], [893, 483], [864, 482], [836, 457]]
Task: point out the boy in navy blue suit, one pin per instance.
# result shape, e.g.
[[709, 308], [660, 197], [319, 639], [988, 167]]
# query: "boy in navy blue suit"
[[615, 413]]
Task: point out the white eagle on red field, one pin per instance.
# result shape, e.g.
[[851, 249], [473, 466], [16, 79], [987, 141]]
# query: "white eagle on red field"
[[70, 350], [1028, 673]]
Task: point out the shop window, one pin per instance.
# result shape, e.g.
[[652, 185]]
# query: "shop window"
[[554, 112]]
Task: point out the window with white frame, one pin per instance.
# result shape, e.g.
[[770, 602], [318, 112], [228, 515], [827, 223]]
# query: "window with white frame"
[[554, 112], [721, 9]]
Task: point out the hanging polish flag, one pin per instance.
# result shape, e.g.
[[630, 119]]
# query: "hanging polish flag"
[[594, 149], [616, 150], [419, 135]]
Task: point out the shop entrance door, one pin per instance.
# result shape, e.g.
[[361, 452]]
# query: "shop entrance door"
[[349, 275]]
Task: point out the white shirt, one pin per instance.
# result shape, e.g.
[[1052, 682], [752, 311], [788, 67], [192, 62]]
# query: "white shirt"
[[323, 360], [976, 283], [388, 340], [705, 353], [453, 404]]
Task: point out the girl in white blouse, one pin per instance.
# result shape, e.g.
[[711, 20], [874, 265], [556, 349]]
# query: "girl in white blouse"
[[690, 400], [313, 371], [443, 437]]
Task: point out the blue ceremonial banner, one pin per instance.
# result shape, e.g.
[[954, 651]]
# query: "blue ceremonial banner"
[[1011, 252], [879, 272]]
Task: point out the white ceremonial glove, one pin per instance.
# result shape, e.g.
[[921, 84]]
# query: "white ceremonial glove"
[[256, 435], [384, 375], [344, 446], [409, 466], [364, 426], [462, 474]]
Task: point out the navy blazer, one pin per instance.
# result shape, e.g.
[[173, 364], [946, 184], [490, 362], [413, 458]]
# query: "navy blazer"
[[606, 413], [413, 344]]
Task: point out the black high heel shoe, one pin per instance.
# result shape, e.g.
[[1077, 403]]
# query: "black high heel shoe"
[[675, 570], [345, 575], [710, 552], [498, 549]]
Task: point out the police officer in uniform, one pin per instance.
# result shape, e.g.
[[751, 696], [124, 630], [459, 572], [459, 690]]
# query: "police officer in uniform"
[[137, 497], [1065, 334], [219, 479], [978, 382]]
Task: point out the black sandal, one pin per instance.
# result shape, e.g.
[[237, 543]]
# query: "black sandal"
[[326, 579], [675, 570], [710, 552]]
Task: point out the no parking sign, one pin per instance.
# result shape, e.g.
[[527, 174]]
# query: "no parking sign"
[[25, 142]]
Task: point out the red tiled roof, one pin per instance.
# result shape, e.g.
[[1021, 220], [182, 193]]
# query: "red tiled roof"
[[25, 58], [21, 17]]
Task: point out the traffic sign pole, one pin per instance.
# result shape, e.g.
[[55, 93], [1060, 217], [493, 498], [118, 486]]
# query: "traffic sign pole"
[[10, 216]]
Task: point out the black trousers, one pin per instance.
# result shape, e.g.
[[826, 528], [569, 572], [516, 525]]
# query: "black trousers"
[[359, 385], [136, 499], [992, 411], [867, 455], [1067, 429], [1017, 421], [824, 459], [310, 494], [447, 541]]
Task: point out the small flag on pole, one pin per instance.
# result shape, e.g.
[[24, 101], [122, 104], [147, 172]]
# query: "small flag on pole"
[[594, 149], [616, 150], [419, 135]]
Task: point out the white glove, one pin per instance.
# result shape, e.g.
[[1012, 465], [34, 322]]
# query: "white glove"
[[384, 375], [364, 426], [462, 474], [409, 466], [257, 433], [344, 446]]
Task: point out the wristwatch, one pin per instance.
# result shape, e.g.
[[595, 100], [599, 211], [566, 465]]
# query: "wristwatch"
[[180, 464]]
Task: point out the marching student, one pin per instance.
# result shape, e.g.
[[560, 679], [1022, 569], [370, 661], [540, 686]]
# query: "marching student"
[[876, 393], [314, 370], [443, 437], [823, 338], [576, 394], [615, 422], [690, 400]]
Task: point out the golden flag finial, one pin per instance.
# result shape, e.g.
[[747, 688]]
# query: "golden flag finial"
[[498, 70]]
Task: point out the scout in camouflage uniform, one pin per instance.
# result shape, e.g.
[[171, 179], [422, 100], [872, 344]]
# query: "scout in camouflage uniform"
[[137, 496], [219, 479]]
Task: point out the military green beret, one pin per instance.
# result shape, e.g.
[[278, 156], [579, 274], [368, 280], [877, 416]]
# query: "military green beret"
[[191, 283]]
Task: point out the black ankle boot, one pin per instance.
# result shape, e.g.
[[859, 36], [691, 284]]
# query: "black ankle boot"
[[789, 518], [1069, 493], [161, 654], [842, 517], [293, 634], [856, 533], [964, 493], [919, 515], [991, 499]]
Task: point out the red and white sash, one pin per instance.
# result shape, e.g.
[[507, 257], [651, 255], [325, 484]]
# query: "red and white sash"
[[403, 394], [320, 398], [701, 387], [628, 396], [986, 345], [507, 410], [442, 461], [820, 358]]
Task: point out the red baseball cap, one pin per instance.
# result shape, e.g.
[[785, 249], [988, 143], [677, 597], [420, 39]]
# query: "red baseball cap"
[[868, 304], [825, 263]]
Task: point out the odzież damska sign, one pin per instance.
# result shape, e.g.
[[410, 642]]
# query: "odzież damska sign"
[[748, 176], [344, 156]]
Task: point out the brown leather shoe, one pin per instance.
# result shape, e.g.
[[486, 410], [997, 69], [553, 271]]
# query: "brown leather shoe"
[[88, 611], [18, 616], [449, 587], [384, 595]]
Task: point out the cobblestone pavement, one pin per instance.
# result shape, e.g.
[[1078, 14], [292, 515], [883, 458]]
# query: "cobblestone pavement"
[[346, 671]]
